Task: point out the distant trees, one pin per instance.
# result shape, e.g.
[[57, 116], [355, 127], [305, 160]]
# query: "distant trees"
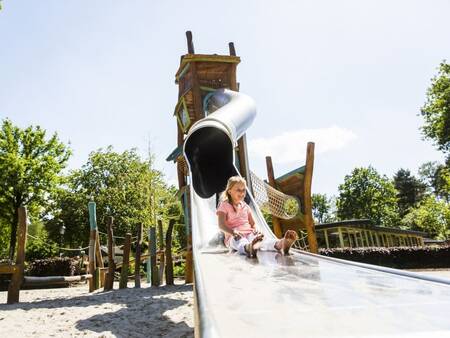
[[322, 208], [30, 167], [410, 191], [436, 110], [367, 194], [432, 216], [122, 185]]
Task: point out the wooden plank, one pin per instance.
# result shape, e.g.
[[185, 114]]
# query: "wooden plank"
[[125, 262], [161, 251], [190, 44], [109, 282], [7, 269], [137, 261], [341, 238], [325, 234], [232, 49], [154, 268], [17, 277], [307, 203], [31, 280], [169, 259], [277, 230]]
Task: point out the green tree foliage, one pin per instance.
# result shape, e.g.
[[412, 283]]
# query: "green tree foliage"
[[30, 165], [366, 194], [123, 186], [410, 190], [436, 111], [432, 216], [437, 178], [322, 208]]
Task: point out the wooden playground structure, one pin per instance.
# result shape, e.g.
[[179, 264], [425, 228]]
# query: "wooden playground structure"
[[197, 77], [98, 275]]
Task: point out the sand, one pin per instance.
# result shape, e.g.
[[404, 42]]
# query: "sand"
[[165, 311]]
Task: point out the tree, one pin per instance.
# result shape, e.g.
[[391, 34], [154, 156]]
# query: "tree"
[[436, 111], [437, 178], [432, 216], [30, 166], [122, 185], [366, 194], [410, 190], [322, 208]]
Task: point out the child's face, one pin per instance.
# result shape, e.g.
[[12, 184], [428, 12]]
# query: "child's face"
[[237, 192]]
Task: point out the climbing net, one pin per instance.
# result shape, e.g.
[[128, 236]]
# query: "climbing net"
[[273, 201]]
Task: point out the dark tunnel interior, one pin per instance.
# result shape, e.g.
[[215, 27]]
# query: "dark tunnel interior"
[[210, 154]]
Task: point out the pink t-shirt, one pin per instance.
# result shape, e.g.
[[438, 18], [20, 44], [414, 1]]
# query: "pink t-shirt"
[[236, 220]]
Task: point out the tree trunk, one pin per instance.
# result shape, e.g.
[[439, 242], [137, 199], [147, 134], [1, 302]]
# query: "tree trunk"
[[13, 239]]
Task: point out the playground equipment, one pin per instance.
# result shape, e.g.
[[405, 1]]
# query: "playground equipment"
[[16, 270], [302, 294]]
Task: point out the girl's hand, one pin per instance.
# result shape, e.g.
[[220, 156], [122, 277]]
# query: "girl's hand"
[[256, 232], [236, 234]]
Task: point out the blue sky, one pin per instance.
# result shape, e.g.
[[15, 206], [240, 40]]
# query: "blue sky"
[[349, 75]]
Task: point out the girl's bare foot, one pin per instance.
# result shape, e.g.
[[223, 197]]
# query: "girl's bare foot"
[[252, 248], [286, 242]]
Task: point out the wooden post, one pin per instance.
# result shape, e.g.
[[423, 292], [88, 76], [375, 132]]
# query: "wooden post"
[[162, 260], [309, 221], [154, 268], [125, 262], [232, 49], [17, 277], [137, 259], [92, 244], [341, 238], [325, 233], [109, 282], [169, 261], [190, 44], [278, 231], [148, 261]]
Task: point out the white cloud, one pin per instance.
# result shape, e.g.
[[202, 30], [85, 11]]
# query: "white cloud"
[[289, 146]]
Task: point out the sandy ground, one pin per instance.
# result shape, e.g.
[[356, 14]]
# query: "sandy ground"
[[73, 312]]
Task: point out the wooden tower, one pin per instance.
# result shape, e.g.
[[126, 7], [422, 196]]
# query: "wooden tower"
[[197, 76]]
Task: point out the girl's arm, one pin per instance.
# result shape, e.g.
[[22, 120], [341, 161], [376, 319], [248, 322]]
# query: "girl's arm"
[[251, 221], [221, 217]]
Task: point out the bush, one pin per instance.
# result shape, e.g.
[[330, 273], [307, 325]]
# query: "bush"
[[54, 267], [179, 270], [395, 257], [38, 249]]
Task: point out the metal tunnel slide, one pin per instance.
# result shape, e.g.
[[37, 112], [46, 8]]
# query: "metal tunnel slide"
[[300, 295]]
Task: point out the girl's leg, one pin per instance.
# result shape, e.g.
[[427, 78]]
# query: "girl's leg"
[[239, 244]]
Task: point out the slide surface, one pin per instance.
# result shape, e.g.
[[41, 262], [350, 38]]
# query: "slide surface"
[[300, 295]]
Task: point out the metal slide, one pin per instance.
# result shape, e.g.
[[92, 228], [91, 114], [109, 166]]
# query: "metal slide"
[[300, 295]]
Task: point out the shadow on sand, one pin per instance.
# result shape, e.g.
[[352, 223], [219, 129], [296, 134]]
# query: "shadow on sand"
[[143, 312]]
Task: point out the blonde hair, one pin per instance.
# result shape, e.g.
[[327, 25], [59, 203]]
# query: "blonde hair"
[[232, 181]]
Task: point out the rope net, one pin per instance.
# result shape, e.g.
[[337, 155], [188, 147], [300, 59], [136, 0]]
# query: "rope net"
[[273, 201]]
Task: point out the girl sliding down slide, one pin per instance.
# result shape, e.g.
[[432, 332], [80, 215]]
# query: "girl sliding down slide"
[[236, 221]]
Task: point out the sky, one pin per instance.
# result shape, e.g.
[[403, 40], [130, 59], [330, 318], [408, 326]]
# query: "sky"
[[350, 76]]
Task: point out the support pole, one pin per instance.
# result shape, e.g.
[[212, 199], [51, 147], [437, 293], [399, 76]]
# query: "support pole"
[[17, 277], [154, 268], [162, 260], [190, 44], [137, 260], [92, 244], [125, 263], [309, 221], [169, 260], [109, 282], [271, 178]]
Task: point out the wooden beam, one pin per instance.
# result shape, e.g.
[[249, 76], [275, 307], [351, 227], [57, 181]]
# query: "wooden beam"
[[125, 262], [307, 203], [154, 268], [169, 259], [137, 260], [29, 280], [325, 234], [341, 238], [17, 277], [162, 260], [109, 282], [278, 231], [190, 44], [7, 269], [232, 49]]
